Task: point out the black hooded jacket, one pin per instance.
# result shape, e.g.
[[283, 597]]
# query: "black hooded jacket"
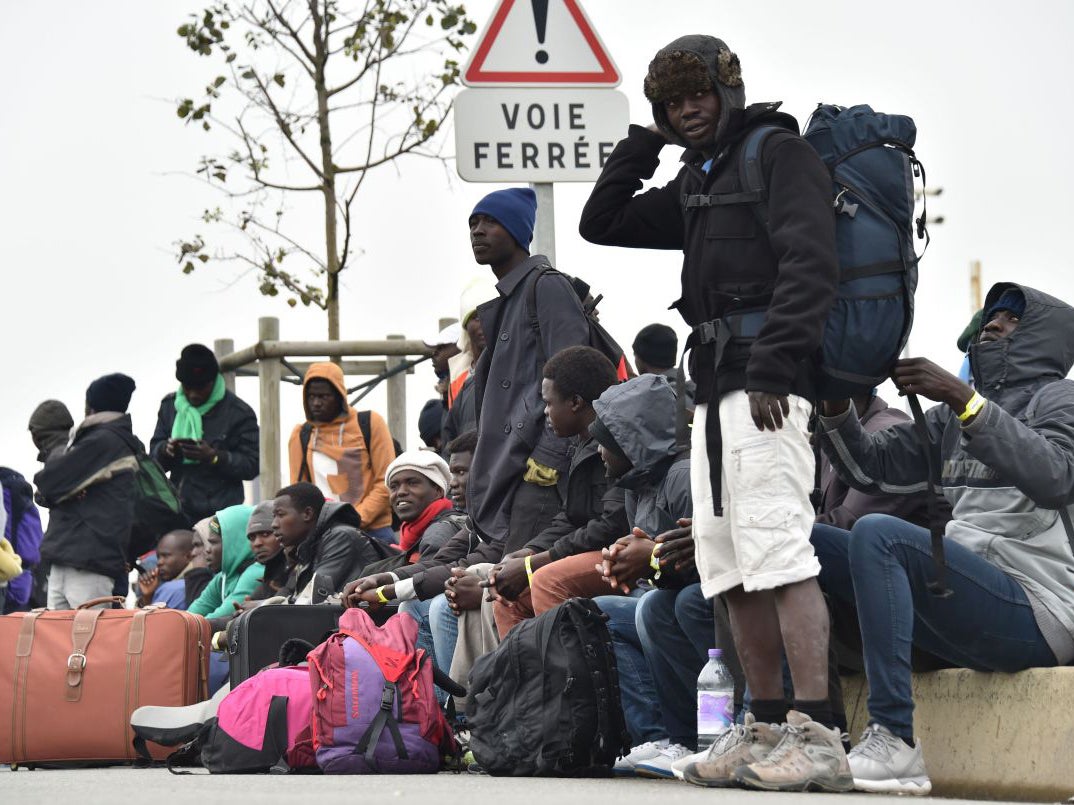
[[204, 489], [730, 261], [336, 552], [89, 490]]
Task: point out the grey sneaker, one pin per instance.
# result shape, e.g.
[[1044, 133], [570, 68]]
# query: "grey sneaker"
[[680, 765], [660, 766], [741, 743], [810, 757], [627, 765], [883, 763]]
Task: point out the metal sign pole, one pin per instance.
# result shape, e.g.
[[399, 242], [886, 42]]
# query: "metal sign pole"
[[544, 235]]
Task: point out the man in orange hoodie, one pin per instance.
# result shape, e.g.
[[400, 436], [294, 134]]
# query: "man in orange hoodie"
[[331, 451]]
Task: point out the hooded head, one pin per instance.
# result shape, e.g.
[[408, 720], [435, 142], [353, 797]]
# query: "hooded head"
[[515, 209], [692, 64], [637, 419], [331, 391], [110, 393], [1041, 347], [236, 555], [50, 427]]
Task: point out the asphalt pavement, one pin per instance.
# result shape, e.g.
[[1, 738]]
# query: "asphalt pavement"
[[159, 787]]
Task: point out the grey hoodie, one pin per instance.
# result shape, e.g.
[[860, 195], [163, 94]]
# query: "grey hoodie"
[[640, 416], [1006, 474]]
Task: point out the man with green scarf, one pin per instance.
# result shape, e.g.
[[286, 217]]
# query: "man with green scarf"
[[206, 437]]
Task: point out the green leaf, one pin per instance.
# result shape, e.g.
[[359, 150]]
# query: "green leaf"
[[278, 78], [219, 80]]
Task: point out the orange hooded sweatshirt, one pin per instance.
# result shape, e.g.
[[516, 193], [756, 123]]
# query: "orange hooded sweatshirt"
[[339, 461]]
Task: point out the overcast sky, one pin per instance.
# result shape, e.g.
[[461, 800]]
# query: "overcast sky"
[[92, 192]]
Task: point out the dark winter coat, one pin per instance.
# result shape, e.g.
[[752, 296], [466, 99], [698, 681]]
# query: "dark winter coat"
[[594, 511], [230, 426], [729, 260], [464, 549], [336, 552], [89, 490], [507, 385]]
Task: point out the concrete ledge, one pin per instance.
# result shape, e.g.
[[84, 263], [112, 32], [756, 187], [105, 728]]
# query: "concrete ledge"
[[989, 736]]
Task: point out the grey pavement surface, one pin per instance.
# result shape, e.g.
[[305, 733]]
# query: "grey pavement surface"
[[159, 787]]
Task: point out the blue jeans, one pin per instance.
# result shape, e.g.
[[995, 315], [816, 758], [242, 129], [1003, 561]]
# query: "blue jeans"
[[636, 690], [419, 611], [445, 630], [883, 566], [676, 629]]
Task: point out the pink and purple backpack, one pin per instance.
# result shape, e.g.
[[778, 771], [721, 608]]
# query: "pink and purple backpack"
[[374, 702], [262, 724]]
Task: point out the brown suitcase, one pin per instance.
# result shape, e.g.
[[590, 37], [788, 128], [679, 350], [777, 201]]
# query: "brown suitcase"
[[69, 680]]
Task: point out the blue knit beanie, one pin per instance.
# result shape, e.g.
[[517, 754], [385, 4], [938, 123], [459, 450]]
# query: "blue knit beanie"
[[1011, 300], [515, 209]]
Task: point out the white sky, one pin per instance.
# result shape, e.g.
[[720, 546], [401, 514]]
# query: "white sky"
[[92, 196]]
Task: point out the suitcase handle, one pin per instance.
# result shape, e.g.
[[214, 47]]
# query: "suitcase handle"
[[108, 599]]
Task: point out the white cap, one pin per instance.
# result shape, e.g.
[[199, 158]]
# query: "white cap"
[[449, 335]]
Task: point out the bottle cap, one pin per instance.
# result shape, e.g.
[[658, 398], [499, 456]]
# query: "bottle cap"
[[715, 653]]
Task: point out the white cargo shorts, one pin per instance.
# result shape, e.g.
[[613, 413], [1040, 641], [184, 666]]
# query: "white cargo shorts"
[[762, 539]]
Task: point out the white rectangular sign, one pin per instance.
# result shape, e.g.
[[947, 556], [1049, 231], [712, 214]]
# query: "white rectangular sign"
[[537, 135]]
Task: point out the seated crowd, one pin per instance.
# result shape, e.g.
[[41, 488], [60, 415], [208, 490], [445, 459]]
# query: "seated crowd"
[[549, 477]]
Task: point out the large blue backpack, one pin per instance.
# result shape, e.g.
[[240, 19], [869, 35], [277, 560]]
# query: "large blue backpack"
[[871, 159]]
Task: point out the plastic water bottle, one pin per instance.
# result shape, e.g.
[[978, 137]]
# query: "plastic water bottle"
[[715, 700]]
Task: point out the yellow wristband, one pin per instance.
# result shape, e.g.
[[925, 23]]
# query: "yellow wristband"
[[973, 407], [528, 562], [654, 562], [380, 594]]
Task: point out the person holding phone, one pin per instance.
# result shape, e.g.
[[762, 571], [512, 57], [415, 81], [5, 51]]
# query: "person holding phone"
[[206, 438]]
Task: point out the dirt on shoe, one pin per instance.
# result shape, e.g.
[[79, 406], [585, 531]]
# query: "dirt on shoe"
[[810, 757], [741, 744]]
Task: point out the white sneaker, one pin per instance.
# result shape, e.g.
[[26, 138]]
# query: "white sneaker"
[[660, 766], [626, 766], [883, 763], [679, 765]]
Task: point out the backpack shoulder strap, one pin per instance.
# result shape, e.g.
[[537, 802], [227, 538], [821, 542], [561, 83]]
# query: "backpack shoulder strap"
[[365, 425], [304, 444], [750, 171], [531, 308]]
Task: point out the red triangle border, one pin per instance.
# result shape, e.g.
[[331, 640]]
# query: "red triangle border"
[[475, 75]]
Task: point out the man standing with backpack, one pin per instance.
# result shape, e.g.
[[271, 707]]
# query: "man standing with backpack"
[[89, 489], [512, 490], [343, 452], [756, 290]]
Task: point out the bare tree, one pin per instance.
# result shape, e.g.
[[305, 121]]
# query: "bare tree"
[[311, 96]]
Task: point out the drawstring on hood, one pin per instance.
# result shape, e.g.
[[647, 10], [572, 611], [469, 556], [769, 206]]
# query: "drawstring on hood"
[[696, 63]]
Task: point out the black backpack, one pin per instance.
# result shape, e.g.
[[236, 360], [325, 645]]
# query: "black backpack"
[[599, 338], [546, 703]]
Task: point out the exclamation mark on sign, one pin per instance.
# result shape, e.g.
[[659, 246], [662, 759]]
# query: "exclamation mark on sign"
[[540, 18]]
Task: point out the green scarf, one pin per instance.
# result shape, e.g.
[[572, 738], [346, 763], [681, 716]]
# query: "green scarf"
[[187, 424]]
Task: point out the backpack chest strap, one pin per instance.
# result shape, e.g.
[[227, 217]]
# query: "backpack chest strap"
[[695, 201]]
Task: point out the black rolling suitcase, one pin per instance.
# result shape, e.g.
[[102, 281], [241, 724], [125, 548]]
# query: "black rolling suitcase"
[[254, 638]]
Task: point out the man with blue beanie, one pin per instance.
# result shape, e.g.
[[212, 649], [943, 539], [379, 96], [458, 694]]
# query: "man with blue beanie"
[[512, 492]]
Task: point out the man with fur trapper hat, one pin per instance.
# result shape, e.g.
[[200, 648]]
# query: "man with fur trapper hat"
[[757, 298], [206, 437]]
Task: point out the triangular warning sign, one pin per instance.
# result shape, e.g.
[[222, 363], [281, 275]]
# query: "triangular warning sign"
[[540, 43]]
